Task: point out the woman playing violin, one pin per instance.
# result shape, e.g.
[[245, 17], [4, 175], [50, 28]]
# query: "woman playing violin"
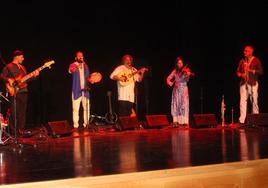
[[179, 78]]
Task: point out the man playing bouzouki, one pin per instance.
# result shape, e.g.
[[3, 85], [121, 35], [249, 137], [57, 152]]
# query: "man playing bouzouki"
[[249, 69], [11, 74], [126, 76]]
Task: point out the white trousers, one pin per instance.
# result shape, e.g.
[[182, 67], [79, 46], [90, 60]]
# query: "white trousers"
[[86, 110], [251, 92], [181, 119]]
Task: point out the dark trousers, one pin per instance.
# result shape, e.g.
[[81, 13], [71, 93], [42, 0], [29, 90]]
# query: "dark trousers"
[[21, 107], [125, 108]]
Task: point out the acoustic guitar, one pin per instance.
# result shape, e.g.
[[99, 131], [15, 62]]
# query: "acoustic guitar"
[[110, 116], [20, 82], [128, 76]]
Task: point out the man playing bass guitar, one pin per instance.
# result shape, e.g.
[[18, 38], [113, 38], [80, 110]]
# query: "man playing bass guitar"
[[126, 76], [11, 75]]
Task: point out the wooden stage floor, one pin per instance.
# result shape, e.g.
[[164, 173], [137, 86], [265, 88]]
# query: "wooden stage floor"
[[87, 153]]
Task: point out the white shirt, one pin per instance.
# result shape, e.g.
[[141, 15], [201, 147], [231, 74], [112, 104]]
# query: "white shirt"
[[125, 93], [82, 76]]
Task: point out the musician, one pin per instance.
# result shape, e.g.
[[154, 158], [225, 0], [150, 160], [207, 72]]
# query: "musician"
[[179, 78], [248, 70], [126, 75], [11, 75], [80, 90]]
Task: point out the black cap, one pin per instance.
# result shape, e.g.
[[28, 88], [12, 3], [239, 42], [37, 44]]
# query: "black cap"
[[17, 53]]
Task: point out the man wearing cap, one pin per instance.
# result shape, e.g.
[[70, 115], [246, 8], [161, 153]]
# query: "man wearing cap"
[[11, 74]]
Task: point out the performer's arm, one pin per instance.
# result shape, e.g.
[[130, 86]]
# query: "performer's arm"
[[6, 78], [140, 75], [170, 77], [258, 68], [114, 75], [73, 67], [117, 78], [4, 75], [239, 72]]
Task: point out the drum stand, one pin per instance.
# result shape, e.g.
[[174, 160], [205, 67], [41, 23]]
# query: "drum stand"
[[6, 137], [3, 125]]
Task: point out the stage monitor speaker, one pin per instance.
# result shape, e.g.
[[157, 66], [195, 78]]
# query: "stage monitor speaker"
[[260, 119], [59, 128], [204, 120], [127, 123], [156, 121]]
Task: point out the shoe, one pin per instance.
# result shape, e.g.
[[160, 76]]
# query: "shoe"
[[182, 125], [174, 124], [74, 129], [239, 124], [185, 125]]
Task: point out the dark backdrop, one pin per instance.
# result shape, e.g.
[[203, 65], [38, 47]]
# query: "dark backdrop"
[[209, 36]]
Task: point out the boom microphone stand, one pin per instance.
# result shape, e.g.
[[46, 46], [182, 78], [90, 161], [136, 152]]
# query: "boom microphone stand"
[[15, 115], [87, 110]]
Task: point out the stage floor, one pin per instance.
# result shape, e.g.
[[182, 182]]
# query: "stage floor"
[[86, 153]]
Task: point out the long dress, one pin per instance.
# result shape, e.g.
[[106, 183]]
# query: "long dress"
[[180, 97]]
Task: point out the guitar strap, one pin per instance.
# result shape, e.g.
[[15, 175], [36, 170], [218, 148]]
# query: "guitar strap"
[[248, 61], [23, 68]]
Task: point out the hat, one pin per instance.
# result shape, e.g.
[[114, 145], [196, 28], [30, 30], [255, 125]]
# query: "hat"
[[17, 53]]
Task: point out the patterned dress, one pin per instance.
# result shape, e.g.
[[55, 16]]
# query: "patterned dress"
[[180, 97]]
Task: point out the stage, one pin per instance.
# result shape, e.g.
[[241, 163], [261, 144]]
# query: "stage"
[[86, 157]]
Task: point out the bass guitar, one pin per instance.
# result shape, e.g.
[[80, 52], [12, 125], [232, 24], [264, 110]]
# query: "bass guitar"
[[16, 84], [128, 76]]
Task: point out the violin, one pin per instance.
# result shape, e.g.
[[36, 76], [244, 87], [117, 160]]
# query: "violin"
[[187, 71]]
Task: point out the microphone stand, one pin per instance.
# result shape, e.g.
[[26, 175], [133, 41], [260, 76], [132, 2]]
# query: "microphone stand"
[[15, 115], [250, 93], [253, 102], [85, 91], [87, 110]]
